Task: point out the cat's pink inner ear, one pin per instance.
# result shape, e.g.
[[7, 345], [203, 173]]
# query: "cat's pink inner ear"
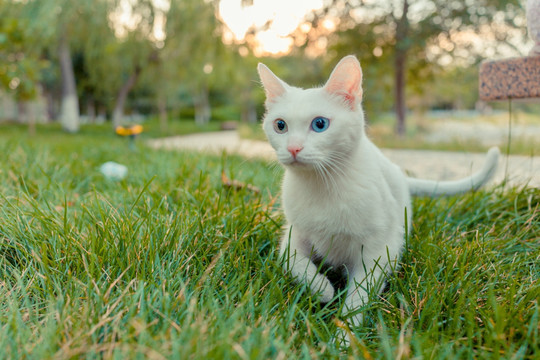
[[273, 86], [346, 81]]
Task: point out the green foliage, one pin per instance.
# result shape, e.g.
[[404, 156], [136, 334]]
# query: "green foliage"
[[377, 82], [189, 61], [106, 52], [170, 263], [19, 56], [437, 50]]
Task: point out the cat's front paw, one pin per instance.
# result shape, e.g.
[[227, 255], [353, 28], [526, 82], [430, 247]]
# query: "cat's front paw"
[[321, 286]]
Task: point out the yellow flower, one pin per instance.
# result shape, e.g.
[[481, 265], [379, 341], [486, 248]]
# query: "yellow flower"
[[127, 131]]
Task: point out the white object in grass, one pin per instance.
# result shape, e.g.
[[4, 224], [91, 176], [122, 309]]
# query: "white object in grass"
[[113, 170]]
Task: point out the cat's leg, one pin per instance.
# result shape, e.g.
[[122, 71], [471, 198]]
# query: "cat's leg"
[[296, 254], [359, 287]]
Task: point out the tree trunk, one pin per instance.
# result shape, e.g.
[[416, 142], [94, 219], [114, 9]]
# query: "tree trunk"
[[400, 106], [26, 116], [202, 108], [50, 101], [91, 109], [162, 111], [21, 112], [69, 112], [400, 69], [101, 115], [31, 119], [118, 112], [249, 113]]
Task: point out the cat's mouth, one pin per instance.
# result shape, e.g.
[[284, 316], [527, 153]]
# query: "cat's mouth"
[[296, 163], [299, 162]]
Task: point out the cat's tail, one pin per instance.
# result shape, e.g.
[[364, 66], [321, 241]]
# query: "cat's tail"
[[473, 182]]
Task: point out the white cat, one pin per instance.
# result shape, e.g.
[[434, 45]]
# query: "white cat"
[[346, 204]]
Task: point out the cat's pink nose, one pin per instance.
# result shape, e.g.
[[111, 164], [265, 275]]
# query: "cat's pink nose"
[[294, 150]]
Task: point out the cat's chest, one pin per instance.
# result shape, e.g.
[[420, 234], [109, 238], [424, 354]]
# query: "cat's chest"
[[350, 209]]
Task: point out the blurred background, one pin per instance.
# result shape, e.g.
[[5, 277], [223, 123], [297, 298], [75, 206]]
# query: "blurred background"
[[164, 63]]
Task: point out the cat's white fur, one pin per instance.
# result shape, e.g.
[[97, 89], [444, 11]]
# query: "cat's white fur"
[[346, 204]]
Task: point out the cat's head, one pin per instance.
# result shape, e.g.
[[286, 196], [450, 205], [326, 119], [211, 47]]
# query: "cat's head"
[[319, 127]]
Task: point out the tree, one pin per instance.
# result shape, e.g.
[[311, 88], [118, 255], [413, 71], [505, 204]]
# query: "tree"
[[193, 44], [407, 29], [20, 64], [59, 24], [90, 41], [166, 45], [69, 112], [133, 49]]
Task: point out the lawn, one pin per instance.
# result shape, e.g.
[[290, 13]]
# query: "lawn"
[[172, 263]]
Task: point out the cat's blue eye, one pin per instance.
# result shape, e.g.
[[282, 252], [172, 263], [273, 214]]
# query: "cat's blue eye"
[[320, 124], [280, 126]]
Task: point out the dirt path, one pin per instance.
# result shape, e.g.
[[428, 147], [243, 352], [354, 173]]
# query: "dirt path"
[[437, 165]]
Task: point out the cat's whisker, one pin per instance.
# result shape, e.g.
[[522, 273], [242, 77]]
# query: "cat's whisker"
[[326, 175], [328, 179], [276, 168], [336, 165], [319, 172]]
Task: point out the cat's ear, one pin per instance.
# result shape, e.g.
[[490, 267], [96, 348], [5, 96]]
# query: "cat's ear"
[[273, 86], [346, 81]]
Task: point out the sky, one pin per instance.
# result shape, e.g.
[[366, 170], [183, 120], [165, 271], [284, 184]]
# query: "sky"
[[275, 39], [281, 16], [272, 20]]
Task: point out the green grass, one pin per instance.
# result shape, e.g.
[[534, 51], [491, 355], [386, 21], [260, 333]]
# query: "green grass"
[[170, 263], [52, 133]]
